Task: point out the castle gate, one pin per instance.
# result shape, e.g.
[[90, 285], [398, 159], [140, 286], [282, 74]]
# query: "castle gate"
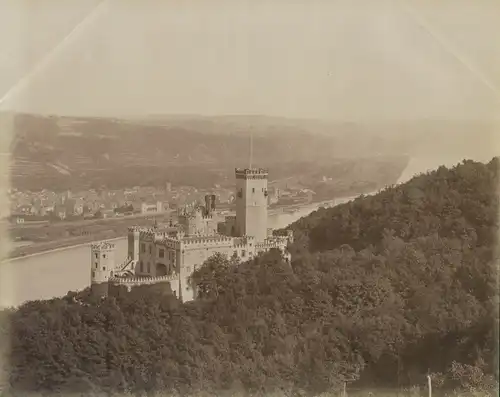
[[161, 270]]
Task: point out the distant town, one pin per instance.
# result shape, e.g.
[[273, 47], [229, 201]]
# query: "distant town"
[[47, 206]]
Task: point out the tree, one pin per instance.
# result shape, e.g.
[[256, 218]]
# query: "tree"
[[381, 292]]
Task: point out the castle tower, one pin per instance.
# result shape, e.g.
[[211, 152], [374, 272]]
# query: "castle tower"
[[101, 266], [251, 202], [209, 204], [133, 244]]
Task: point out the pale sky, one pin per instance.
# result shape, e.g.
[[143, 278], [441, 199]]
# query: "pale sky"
[[347, 60]]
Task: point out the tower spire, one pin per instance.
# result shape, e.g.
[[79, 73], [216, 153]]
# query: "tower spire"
[[251, 149]]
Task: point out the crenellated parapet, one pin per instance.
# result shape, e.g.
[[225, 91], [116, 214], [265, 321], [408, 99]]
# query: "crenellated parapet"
[[134, 229], [169, 242], [268, 245], [243, 242], [288, 234], [102, 246], [153, 235], [207, 242], [251, 173], [277, 239], [136, 281]]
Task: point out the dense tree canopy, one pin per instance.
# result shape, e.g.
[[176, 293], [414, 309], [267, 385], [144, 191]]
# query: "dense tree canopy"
[[381, 292]]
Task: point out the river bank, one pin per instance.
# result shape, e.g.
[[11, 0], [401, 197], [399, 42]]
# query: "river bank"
[[33, 249], [53, 273], [61, 248]]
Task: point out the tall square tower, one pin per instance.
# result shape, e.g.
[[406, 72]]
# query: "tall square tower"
[[251, 202]]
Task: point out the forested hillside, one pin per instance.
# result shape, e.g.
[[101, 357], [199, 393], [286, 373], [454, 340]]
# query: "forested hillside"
[[381, 292]]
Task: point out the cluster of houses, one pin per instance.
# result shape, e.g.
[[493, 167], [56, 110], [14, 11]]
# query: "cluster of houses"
[[46, 205]]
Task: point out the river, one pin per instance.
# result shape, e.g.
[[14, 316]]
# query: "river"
[[54, 273]]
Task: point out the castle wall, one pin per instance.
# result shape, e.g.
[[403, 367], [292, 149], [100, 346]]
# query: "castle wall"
[[193, 253], [157, 284], [100, 289]]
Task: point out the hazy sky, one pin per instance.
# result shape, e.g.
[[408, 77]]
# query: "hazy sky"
[[333, 59]]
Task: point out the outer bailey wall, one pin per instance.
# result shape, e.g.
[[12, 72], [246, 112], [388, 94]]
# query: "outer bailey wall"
[[100, 289], [164, 288]]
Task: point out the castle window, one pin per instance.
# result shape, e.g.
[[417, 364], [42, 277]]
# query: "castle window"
[[104, 268], [253, 190], [141, 266], [104, 256], [143, 247], [96, 255], [149, 267], [243, 253], [96, 265], [188, 269], [93, 274], [150, 249], [161, 253]]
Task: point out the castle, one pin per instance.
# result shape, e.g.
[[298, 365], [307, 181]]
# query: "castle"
[[169, 255]]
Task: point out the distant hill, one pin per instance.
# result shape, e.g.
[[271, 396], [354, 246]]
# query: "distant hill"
[[381, 292], [62, 151]]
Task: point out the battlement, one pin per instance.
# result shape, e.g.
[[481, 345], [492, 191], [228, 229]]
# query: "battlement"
[[284, 233], [169, 242], [243, 242], [136, 281], [134, 229], [102, 246], [154, 235], [148, 231], [251, 170], [251, 173], [280, 239], [241, 245], [269, 245], [208, 241]]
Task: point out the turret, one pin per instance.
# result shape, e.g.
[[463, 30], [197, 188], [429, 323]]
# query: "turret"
[[209, 204], [133, 243], [102, 266]]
